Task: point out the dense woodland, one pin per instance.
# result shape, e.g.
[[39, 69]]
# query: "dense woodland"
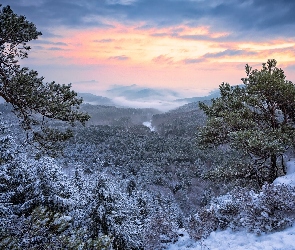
[[81, 176], [119, 185]]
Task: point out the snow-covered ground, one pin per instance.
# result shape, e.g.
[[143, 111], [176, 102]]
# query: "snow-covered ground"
[[289, 178], [241, 240], [149, 125]]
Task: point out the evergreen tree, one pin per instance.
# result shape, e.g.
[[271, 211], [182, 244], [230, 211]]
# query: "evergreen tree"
[[34, 101], [257, 118]]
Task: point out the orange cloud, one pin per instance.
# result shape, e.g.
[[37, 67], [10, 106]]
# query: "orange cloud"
[[181, 56]]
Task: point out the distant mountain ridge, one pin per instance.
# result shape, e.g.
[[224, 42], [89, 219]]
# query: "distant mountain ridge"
[[134, 96], [213, 94], [96, 100], [134, 92]]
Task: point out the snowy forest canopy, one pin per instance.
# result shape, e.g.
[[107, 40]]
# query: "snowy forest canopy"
[[120, 185], [76, 176]]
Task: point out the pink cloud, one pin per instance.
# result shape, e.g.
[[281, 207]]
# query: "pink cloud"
[[166, 57]]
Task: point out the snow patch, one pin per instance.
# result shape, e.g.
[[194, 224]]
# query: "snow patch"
[[241, 240], [290, 166], [149, 125], [289, 178]]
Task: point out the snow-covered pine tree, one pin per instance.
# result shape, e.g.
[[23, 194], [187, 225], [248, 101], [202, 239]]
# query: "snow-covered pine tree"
[[257, 119], [33, 101]]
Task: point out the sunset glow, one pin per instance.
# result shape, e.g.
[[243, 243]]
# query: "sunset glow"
[[186, 54]]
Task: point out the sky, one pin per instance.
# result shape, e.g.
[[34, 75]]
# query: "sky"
[[191, 46]]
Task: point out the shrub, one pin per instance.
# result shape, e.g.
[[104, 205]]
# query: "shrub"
[[271, 209]]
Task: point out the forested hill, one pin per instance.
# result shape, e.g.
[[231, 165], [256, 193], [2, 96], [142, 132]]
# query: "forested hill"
[[134, 176], [183, 121], [76, 176], [111, 115], [119, 179]]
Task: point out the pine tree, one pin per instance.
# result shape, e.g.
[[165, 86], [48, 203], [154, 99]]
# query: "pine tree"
[[34, 101], [256, 118]]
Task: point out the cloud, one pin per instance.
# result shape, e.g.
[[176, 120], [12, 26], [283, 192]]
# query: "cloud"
[[50, 42], [160, 34], [291, 67], [55, 48], [87, 82], [156, 104], [229, 52], [245, 17], [121, 2], [119, 58], [104, 41], [163, 59], [193, 60], [158, 42], [37, 47]]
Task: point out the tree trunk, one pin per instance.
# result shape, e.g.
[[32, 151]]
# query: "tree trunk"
[[283, 165], [273, 168]]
